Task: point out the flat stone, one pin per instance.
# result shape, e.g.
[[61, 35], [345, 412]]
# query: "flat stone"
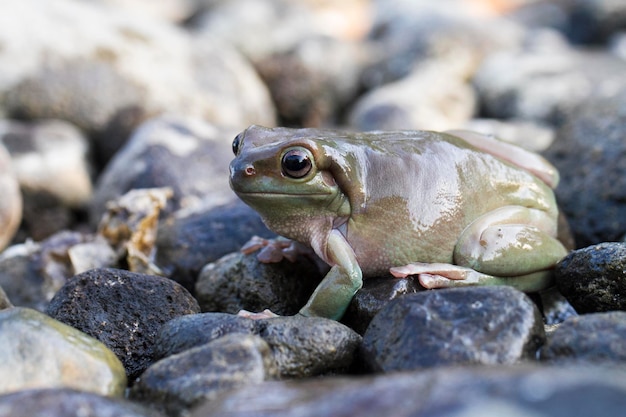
[[453, 392]]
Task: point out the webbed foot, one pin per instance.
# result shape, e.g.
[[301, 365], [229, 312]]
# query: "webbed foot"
[[441, 275]]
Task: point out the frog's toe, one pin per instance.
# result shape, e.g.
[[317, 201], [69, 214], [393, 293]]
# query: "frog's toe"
[[452, 272], [265, 314]]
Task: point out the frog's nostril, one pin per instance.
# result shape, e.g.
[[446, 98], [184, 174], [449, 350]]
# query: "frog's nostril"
[[249, 170]]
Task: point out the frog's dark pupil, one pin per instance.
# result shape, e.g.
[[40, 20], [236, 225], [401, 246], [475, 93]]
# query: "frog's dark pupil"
[[236, 144], [296, 164]]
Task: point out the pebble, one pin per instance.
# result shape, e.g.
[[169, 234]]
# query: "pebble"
[[64, 402], [122, 309], [188, 155], [189, 240], [300, 347], [184, 380], [589, 151], [11, 202], [313, 82], [40, 352], [605, 334], [474, 325], [50, 162], [527, 390], [593, 279], [241, 282], [429, 98]]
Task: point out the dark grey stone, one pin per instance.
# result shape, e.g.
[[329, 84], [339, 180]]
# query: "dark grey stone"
[[597, 337], [593, 279], [122, 309], [239, 281], [473, 325], [374, 295], [589, 152], [185, 244], [188, 155], [181, 381], [301, 346]]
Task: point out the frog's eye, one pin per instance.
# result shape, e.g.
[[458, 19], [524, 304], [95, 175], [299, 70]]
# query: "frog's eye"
[[237, 143], [297, 163]]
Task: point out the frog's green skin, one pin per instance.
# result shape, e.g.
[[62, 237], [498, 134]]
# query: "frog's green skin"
[[444, 206]]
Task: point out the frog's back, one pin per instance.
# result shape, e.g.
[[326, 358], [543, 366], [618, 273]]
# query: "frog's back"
[[422, 189]]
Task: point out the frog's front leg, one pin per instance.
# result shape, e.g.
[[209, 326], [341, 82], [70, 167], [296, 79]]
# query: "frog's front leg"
[[333, 295], [511, 245]]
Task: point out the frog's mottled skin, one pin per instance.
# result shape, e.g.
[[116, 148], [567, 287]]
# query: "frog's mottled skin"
[[454, 208]]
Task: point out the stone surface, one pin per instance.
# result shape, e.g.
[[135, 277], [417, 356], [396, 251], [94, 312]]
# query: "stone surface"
[[373, 296], [409, 34], [237, 281], [39, 352], [430, 98], [313, 82], [188, 155], [184, 380], [593, 279], [31, 273], [300, 346], [547, 84], [589, 152], [4, 300], [460, 391], [603, 340], [56, 52], [474, 325], [50, 161], [123, 310], [530, 135], [68, 403], [11, 201], [187, 241], [278, 25]]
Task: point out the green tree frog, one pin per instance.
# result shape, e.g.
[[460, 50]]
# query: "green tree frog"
[[454, 208]]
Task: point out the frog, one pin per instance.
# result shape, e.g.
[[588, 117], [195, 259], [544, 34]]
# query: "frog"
[[452, 208]]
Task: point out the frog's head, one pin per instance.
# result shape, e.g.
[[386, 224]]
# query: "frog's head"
[[286, 174]]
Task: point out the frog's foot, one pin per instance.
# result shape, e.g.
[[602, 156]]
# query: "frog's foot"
[[440, 275], [265, 314], [272, 250]]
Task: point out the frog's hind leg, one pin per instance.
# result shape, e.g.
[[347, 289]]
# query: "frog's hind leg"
[[512, 245]]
